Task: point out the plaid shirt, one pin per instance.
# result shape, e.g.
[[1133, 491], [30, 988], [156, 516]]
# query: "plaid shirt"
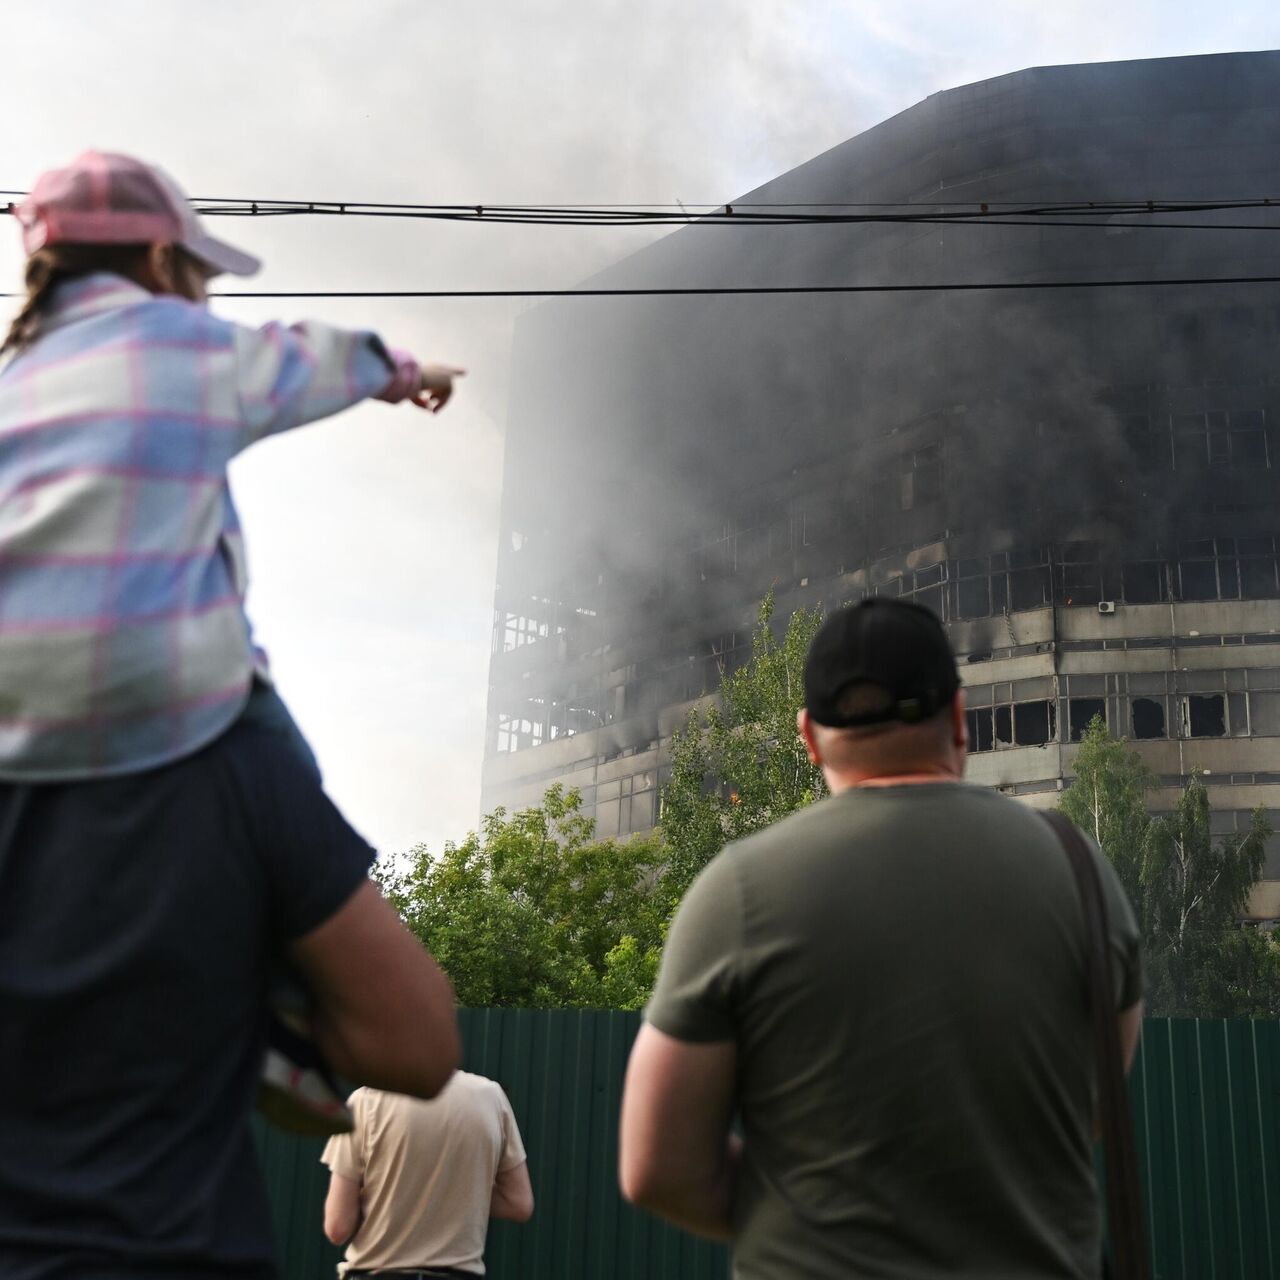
[[123, 637]]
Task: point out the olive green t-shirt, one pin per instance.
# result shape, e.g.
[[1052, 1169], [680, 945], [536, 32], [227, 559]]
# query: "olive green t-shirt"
[[903, 970]]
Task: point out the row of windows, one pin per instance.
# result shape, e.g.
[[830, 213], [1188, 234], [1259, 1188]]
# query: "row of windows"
[[1030, 578], [1193, 441], [1191, 715]]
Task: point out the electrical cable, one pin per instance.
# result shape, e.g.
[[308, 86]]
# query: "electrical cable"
[[973, 213], [740, 290]]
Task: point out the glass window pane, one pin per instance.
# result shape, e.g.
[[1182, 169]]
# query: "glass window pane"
[[1264, 714]]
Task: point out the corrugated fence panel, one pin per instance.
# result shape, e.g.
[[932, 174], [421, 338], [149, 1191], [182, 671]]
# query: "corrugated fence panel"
[[1206, 1102]]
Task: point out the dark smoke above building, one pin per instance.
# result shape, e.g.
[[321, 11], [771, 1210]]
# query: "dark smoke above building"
[[1081, 482]]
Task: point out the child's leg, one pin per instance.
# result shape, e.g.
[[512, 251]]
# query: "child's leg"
[[297, 1091], [266, 709]]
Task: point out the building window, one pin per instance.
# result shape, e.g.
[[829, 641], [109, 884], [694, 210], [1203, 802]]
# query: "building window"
[[515, 733], [1080, 713], [1220, 439], [1143, 582], [1018, 724], [1204, 715], [1148, 717]]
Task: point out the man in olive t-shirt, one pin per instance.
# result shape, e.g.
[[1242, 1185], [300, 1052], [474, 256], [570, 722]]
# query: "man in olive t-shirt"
[[889, 989]]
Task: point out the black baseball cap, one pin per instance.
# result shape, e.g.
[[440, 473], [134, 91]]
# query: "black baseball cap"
[[889, 644]]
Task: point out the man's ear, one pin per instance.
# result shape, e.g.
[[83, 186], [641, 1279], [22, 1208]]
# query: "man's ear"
[[805, 726]]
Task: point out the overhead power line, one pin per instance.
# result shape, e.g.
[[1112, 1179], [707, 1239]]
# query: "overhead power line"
[[1080, 213], [749, 290]]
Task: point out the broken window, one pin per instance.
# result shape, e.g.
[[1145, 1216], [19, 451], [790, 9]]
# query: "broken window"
[[1143, 582], [1204, 715], [1257, 573], [1148, 718], [1199, 579], [1248, 438], [1081, 584], [973, 597], [1029, 588], [1149, 440], [1081, 711], [926, 470], [1004, 726], [1033, 723], [515, 733], [981, 729]]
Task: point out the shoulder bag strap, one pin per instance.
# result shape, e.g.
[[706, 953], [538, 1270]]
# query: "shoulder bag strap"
[[1124, 1200]]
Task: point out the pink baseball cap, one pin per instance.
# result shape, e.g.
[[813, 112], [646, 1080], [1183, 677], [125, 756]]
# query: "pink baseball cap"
[[112, 199]]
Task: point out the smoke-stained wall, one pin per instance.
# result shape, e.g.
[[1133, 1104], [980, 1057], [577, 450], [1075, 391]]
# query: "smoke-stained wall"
[[993, 453]]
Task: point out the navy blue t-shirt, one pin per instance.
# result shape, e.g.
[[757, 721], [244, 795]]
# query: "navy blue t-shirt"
[[138, 920]]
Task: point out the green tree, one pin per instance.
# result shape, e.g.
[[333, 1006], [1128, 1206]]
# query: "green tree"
[[1188, 890], [1108, 800], [739, 765], [1200, 961], [531, 911]]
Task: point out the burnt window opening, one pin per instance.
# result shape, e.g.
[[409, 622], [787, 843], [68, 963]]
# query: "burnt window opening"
[[973, 597], [1205, 715], [1143, 582], [1029, 588], [1081, 584], [981, 729], [1199, 579], [1034, 723], [1004, 726], [926, 472], [1258, 577], [1148, 718], [1080, 714]]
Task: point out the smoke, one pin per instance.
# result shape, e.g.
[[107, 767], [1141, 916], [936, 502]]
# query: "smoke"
[[871, 424], [373, 539]]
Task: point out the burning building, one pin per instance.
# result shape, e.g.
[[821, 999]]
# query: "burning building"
[[1082, 482]]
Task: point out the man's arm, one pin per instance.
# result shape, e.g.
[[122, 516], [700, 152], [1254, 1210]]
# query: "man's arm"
[[341, 1209], [677, 1156], [383, 1009], [512, 1194], [1130, 1021]]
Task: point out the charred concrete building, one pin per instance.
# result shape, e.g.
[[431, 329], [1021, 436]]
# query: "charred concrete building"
[[1082, 482]]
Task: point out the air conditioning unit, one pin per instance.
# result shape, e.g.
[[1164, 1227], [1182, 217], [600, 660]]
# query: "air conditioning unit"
[[1106, 606]]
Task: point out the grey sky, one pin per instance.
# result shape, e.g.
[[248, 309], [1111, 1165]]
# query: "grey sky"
[[372, 537]]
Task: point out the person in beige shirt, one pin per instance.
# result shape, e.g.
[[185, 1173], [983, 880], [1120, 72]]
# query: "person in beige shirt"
[[412, 1187]]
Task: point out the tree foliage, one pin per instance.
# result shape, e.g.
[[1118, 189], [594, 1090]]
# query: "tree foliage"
[[1188, 888], [531, 911], [740, 765], [1200, 962]]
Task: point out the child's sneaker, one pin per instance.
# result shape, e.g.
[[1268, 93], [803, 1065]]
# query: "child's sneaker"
[[297, 1091]]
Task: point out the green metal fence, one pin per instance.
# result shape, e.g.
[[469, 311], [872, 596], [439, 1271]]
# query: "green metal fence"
[[1206, 1103]]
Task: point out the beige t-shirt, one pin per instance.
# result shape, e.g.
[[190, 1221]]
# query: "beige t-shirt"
[[426, 1171]]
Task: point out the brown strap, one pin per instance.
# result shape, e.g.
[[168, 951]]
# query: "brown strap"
[[1125, 1219]]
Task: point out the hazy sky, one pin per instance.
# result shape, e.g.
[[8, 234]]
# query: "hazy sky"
[[372, 536]]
